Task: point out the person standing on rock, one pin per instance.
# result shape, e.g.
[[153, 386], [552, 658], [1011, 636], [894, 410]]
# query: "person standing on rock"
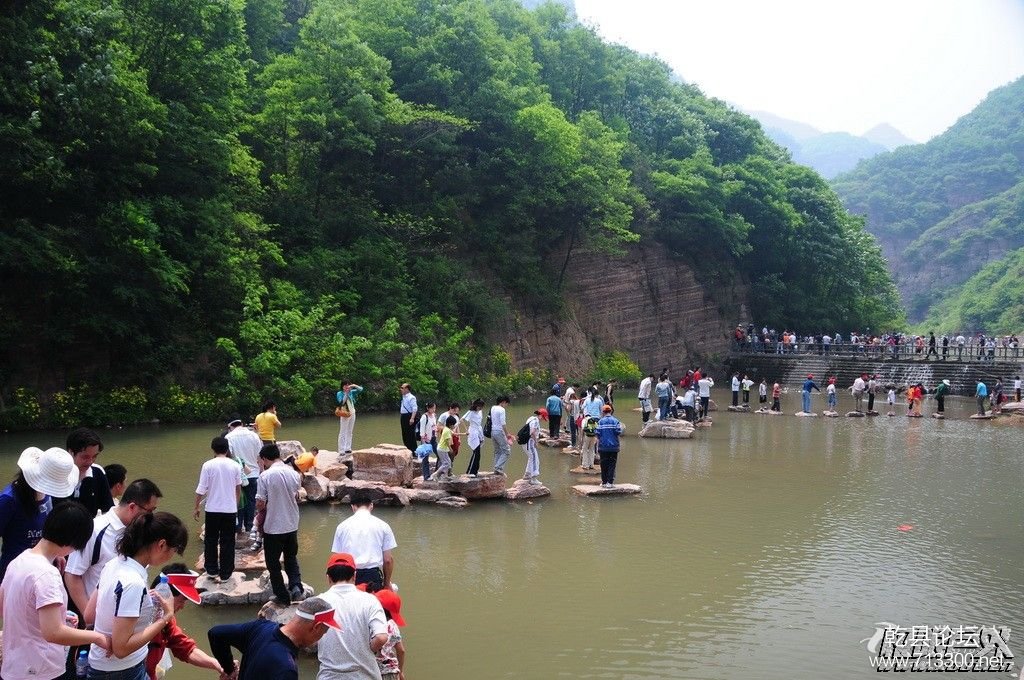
[[502, 440], [857, 390], [574, 409], [407, 417], [745, 385], [809, 385], [474, 435], [220, 483], [608, 430], [776, 397], [270, 651], [830, 392], [277, 497], [1016, 388], [444, 450], [346, 398], [735, 389], [931, 346], [664, 392], [981, 394], [762, 393], [644, 395], [532, 472], [349, 652], [554, 409], [267, 423], [370, 540], [872, 390], [704, 386], [245, 447], [941, 390]]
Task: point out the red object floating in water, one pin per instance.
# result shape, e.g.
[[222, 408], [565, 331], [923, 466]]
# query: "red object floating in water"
[[905, 527]]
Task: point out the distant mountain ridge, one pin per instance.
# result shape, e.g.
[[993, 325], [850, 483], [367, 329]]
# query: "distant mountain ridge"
[[830, 153], [950, 216]]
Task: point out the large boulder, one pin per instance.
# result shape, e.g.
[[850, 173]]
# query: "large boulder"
[[290, 447], [380, 493], [453, 502], [388, 463], [485, 485], [317, 488], [271, 611], [421, 495], [668, 429], [333, 465], [521, 489]]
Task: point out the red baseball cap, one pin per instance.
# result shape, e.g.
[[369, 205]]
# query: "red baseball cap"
[[543, 413], [186, 585], [341, 559], [390, 600]]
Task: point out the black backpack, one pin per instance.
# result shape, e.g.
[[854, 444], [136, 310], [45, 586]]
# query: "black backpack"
[[523, 435], [487, 426]]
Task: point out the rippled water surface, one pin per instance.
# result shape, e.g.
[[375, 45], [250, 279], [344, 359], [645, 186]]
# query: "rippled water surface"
[[766, 547]]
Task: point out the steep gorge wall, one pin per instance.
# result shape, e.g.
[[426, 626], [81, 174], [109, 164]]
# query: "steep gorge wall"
[[646, 304]]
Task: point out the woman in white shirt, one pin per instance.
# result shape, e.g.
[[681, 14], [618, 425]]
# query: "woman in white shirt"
[[124, 607], [474, 435]]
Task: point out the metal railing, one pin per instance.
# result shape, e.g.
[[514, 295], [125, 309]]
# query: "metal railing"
[[902, 352]]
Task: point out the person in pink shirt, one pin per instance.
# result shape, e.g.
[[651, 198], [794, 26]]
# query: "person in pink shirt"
[[35, 604]]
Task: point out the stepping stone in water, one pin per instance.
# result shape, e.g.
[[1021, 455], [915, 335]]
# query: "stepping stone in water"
[[804, 414], [978, 416], [598, 490], [830, 414], [580, 470], [522, 489], [854, 414], [938, 416]]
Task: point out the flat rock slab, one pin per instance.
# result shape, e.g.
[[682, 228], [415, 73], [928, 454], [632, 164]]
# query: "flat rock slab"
[[854, 414], [939, 416], [830, 414], [740, 409], [804, 414], [453, 502], [706, 422], [768, 412], [978, 416], [421, 496], [571, 451], [874, 413], [522, 490], [246, 560], [598, 490], [239, 590], [556, 443], [484, 485], [580, 470], [667, 429], [915, 415]]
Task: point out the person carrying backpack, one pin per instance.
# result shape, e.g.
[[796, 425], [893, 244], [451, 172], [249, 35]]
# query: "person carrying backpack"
[[527, 436], [608, 430]]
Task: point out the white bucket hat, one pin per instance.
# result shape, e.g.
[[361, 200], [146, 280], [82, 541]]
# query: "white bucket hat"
[[52, 472]]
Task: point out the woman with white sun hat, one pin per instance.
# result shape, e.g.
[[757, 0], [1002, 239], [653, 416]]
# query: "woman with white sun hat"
[[25, 503]]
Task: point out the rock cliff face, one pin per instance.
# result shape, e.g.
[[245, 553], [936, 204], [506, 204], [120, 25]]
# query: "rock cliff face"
[[646, 304]]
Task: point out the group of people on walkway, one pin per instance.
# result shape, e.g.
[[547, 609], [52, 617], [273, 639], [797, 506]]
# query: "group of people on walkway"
[[79, 545]]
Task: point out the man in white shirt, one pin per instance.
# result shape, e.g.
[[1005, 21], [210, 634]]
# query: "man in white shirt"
[[735, 389], [277, 493], [349, 652], [369, 540], [220, 482], [857, 389], [704, 386], [960, 342], [502, 442], [82, 573], [245, 447], [644, 395]]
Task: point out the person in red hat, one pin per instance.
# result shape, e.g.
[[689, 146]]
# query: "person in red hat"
[[391, 657], [350, 652], [172, 640], [531, 430]]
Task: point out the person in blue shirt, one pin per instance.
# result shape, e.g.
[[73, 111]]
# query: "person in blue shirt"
[[608, 430], [270, 650], [981, 393], [806, 392], [554, 407]]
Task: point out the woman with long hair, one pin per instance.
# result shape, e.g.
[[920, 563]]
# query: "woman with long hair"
[[124, 608], [474, 435], [35, 604]]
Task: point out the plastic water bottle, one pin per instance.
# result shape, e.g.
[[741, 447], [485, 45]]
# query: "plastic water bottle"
[[82, 664], [163, 589]]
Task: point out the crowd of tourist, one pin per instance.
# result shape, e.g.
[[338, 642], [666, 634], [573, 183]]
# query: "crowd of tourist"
[[960, 346], [80, 544]]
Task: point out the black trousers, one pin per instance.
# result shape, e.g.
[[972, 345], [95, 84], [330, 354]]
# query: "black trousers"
[[704, 403], [373, 575], [609, 459], [409, 431], [940, 400], [474, 462], [554, 425], [871, 401], [274, 546], [735, 398], [220, 533]]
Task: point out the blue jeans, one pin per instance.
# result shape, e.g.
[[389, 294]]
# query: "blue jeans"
[[248, 513], [134, 673], [807, 402], [663, 403]]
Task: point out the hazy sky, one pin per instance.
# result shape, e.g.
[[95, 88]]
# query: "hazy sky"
[[836, 64]]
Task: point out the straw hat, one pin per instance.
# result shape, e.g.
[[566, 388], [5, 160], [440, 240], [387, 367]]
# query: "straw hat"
[[52, 472]]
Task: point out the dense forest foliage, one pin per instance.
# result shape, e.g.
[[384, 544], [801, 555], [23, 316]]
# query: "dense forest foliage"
[[220, 200], [945, 209]]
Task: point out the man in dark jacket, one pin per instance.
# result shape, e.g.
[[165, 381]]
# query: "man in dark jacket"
[[608, 430]]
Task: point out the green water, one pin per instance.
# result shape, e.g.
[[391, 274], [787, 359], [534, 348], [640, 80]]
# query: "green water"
[[766, 547]]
